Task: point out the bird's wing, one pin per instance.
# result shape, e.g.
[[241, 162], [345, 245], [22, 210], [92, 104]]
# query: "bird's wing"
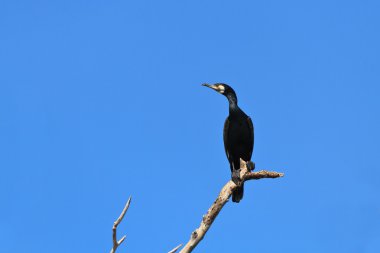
[[225, 136], [252, 137]]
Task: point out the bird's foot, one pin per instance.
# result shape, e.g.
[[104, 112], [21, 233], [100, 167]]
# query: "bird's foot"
[[235, 176], [251, 166]]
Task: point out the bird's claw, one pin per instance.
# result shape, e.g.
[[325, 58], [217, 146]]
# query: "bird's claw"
[[235, 176], [251, 166]]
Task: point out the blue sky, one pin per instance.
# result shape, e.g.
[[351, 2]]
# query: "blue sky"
[[102, 100]]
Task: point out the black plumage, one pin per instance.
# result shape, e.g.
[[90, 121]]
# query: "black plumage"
[[238, 136]]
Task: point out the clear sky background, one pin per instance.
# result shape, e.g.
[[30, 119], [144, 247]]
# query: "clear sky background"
[[100, 100]]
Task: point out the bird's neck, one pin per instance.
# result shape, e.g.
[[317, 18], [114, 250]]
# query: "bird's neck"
[[233, 105], [232, 99]]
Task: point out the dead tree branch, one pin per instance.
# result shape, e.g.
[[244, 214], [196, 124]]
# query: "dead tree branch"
[[175, 249], [221, 200], [117, 243]]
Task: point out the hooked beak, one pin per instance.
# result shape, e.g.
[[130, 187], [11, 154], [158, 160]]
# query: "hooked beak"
[[210, 86], [216, 87]]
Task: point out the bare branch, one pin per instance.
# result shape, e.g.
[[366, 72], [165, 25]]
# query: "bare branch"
[[221, 200], [117, 243], [175, 249]]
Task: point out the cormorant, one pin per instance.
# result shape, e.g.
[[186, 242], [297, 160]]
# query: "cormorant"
[[238, 137]]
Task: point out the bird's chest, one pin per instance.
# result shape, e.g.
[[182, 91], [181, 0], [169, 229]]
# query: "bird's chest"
[[237, 132]]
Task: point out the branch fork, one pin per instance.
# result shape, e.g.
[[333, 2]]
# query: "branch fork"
[[116, 243], [226, 192]]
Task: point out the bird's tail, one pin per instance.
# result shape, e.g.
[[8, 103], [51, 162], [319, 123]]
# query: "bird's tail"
[[238, 193]]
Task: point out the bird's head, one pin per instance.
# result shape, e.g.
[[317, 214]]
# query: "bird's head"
[[225, 90]]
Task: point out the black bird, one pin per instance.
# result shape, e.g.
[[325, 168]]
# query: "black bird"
[[238, 137]]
